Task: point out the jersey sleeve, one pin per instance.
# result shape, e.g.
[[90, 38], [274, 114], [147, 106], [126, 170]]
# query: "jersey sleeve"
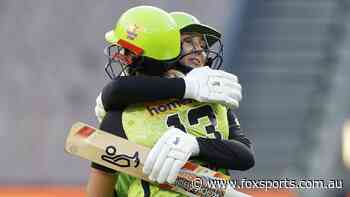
[[125, 90]]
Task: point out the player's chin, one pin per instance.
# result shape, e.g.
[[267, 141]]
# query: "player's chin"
[[196, 64], [174, 74]]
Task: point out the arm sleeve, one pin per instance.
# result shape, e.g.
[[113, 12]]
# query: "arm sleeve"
[[113, 125], [235, 132], [126, 90], [235, 153]]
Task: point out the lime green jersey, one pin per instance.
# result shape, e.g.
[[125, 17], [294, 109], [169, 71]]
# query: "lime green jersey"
[[145, 123]]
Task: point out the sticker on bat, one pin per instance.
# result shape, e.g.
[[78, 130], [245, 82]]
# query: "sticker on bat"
[[120, 160], [85, 131]]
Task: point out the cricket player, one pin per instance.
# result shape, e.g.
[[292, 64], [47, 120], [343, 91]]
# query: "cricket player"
[[150, 108]]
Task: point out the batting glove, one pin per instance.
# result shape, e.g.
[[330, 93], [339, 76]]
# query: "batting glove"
[[169, 154], [215, 86], [100, 111]]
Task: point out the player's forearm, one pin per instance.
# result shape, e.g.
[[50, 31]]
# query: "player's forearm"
[[124, 91], [100, 184], [229, 154]]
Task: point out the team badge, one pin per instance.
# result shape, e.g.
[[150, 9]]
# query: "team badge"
[[132, 31]]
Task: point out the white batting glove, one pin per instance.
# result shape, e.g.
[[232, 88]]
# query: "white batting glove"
[[169, 154], [100, 111], [214, 86]]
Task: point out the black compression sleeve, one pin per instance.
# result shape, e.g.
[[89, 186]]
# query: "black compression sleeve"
[[229, 154], [235, 153], [235, 131], [123, 91]]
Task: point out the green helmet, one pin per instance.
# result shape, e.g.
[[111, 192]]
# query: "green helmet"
[[188, 23], [147, 30], [152, 36]]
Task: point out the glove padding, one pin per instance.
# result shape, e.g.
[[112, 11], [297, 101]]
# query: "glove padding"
[[215, 86], [169, 154], [100, 111]]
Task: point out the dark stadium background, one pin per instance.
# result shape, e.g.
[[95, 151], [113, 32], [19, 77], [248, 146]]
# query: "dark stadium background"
[[292, 58]]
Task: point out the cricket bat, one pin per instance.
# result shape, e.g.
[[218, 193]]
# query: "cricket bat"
[[124, 156]]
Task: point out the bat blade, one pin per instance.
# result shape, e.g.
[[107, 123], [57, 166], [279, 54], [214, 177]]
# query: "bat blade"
[[124, 156]]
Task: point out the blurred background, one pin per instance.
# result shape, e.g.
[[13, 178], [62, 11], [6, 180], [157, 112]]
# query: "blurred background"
[[292, 58]]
